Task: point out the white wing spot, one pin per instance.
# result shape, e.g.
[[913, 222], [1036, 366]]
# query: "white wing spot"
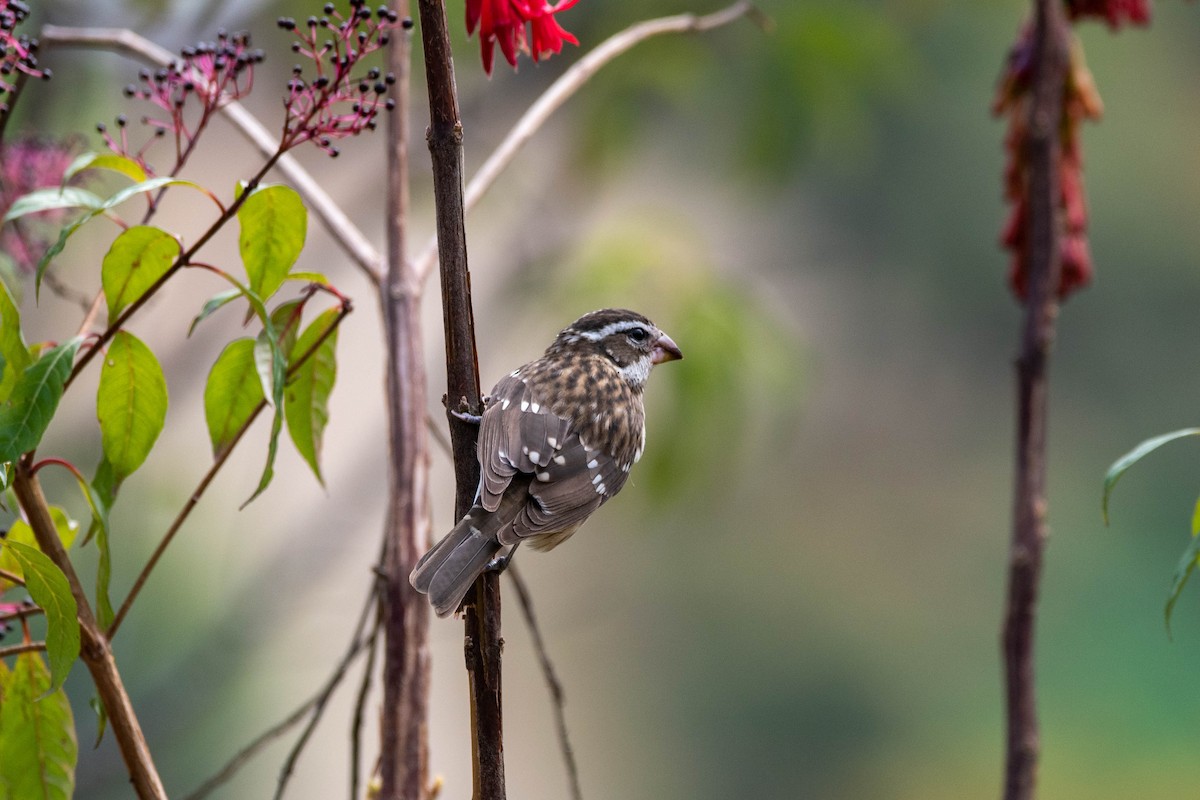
[[505, 403], [592, 464], [550, 440], [543, 476], [534, 455], [601, 489], [637, 456], [534, 407], [525, 450], [596, 479], [560, 459], [524, 405], [624, 468], [514, 373]]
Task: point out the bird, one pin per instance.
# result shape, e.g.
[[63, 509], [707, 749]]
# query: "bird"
[[557, 439]]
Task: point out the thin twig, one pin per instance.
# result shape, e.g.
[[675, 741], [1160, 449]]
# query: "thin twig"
[[195, 496], [570, 82], [356, 647], [557, 698], [11, 578], [17, 649], [21, 613], [360, 704], [336, 222], [1037, 337]]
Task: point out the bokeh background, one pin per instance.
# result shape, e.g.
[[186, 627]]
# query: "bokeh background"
[[800, 593]]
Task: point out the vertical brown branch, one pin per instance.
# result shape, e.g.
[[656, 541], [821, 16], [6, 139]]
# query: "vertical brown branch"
[[482, 607], [404, 747], [1029, 509], [95, 651]]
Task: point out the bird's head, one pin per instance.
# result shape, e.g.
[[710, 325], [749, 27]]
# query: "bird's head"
[[632, 342]]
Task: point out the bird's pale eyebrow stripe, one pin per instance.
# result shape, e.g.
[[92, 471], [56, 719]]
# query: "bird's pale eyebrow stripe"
[[611, 328]]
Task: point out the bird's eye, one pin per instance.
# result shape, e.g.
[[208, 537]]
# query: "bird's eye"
[[638, 335]]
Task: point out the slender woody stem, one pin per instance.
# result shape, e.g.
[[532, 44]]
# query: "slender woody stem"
[[1029, 508]]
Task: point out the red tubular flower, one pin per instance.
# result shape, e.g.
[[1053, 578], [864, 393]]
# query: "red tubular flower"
[[1115, 12], [503, 22], [1080, 102]]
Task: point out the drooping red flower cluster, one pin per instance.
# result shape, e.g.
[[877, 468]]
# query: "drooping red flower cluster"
[[1081, 101], [1115, 12], [25, 165], [343, 99], [503, 22], [18, 53]]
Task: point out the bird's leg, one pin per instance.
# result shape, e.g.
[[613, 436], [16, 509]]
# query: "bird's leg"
[[467, 417], [501, 561]]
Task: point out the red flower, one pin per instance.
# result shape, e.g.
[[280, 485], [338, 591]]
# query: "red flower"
[[28, 164], [503, 22], [1114, 12]]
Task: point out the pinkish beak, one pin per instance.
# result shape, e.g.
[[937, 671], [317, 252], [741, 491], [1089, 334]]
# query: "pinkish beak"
[[665, 349]]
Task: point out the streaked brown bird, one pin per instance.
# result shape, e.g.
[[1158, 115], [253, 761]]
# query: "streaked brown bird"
[[556, 440]]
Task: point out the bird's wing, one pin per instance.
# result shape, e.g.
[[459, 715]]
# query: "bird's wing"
[[564, 492], [518, 434]]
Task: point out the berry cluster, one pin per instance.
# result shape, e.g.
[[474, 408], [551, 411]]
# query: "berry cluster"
[[342, 99], [205, 77], [18, 53]]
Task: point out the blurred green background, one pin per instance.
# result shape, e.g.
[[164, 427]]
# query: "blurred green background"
[[799, 594]]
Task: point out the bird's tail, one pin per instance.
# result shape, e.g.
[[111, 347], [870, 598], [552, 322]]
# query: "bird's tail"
[[447, 571]]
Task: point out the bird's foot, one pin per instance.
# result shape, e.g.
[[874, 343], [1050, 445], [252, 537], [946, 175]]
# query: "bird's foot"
[[467, 417], [501, 562]]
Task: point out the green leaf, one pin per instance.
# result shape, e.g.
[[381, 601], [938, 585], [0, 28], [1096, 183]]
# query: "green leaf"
[[308, 277], [271, 351], [1132, 457], [137, 259], [273, 223], [232, 394], [306, 403], [1183, 571], [150, 185], [101, 718], [215, 302], [21, 533], [272, 449], [12, 344], [109, 161], [51, 199], [131, 403], [27, 412], [49, 589], [38, 749]]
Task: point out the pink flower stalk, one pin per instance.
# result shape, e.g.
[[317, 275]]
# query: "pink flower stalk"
[[25, 165], [207, 76], [1115, 12], [17, 52], [342, 99], [1081, 102], [503, 22]]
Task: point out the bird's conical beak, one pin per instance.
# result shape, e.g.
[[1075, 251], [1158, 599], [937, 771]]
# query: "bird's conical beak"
[[665, 349]]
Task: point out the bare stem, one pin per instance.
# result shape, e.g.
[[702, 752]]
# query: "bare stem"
[[336, 222], [1029, 507], [567, 85], [25, 647], [95, 650], [11, 578], [404, 750]]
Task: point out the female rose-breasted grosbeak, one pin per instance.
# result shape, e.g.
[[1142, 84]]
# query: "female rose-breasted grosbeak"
[[556, 440]]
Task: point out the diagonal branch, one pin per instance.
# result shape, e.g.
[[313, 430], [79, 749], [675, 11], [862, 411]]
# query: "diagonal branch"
[[336, 222], [568, 84]]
